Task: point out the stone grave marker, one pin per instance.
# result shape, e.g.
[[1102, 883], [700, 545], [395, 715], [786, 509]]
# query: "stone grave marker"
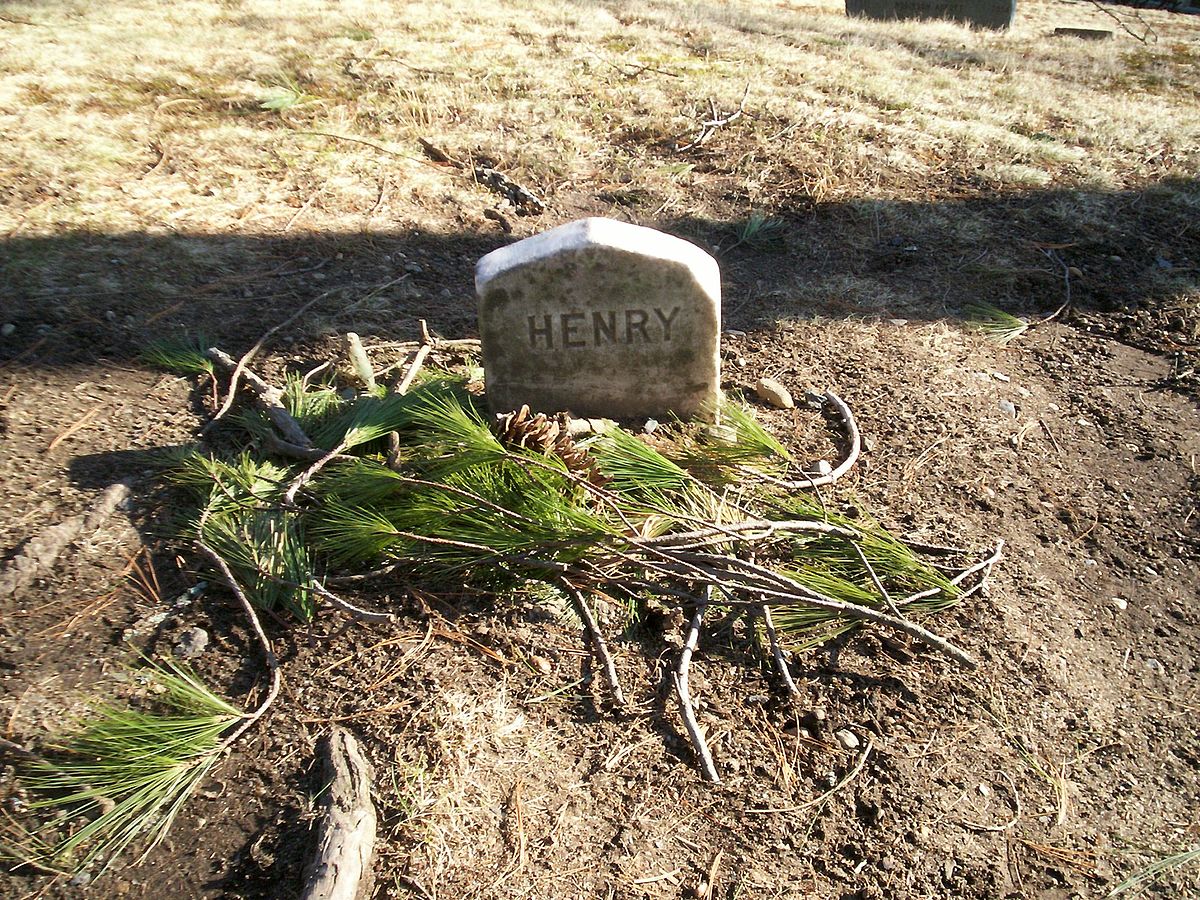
[[997, 14], [601, 318]]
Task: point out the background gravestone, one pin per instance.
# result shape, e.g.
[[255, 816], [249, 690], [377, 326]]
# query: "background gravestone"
[[997, 14], [601, 318]]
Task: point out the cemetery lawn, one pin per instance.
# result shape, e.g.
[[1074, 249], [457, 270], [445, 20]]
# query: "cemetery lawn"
[[875, 192]]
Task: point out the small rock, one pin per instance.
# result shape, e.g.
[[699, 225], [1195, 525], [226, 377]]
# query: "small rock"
[[771, 391], [984, 790], [846, 738], [650, 427], [1155, 666], [7, 329], [542, 664], [898, 322], [1120, 603], [1114, 258], [83, 879], [734, 333], [413, 268], [1074, 271], [1008, 408], [579, 427], [191, 643], [110, 315], [1000, 376]]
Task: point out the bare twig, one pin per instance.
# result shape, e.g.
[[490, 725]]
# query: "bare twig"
[[1144, 37], [289, 497], [1052, 255], [887, 598], [852, 454], [249, 719], [240, 367], [270, 398], [596, 637], [364, 615], [781, 665], [680, 676], [709, 126], [414, 367]]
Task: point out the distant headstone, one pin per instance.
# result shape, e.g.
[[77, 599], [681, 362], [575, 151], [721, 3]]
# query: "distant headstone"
[[998, 14], [601, 318]]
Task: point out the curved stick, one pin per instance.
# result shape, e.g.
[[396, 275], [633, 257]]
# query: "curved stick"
[[680, 677], [844, 466]]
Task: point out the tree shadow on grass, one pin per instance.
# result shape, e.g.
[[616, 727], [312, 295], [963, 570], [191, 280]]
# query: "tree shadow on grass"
[[1132, 255]]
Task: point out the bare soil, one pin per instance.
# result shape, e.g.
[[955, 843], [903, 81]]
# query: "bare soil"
[[1067, 762]]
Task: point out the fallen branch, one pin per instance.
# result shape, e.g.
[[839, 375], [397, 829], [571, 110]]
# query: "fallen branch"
[[346, 606], [268, 397], [596, 637], [393, 456], [781, 665], [240, 367], [680, 677], [855, 439], [341, 867], [255, 625], [709, 126], [41, 551], [525, 201]]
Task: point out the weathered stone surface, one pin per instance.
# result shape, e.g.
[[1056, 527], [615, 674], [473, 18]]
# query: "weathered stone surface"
[[603, 319], [998, 14]]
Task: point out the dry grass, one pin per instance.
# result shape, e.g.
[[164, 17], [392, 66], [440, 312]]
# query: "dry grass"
[[149, 117]]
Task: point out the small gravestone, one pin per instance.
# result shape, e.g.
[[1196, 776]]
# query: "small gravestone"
[[997, 14], [601, 318]]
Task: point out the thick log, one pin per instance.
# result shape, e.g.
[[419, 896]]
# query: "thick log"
[[341, 868]]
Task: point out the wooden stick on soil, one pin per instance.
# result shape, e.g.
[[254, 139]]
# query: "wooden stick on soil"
[[239, 368], [270, 399], [393, 457], [680, 677], [42, 550], [341, 868], [781, 665], [597, 641], [852, 434]]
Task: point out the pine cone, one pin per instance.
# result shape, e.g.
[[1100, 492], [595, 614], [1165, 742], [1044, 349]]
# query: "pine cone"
[[550, 437]]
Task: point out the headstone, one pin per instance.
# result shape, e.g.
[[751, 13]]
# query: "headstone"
[[998, 14], [603, 319]]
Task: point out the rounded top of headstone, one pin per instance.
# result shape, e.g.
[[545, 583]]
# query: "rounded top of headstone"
[[600, 233]]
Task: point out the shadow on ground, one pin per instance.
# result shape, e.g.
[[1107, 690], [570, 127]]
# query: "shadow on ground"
[[81, 297]]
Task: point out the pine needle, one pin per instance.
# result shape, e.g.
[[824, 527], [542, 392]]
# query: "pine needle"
[[128, 771], [181, 355], [995, 324]]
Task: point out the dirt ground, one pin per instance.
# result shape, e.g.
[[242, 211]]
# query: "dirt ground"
[[1069, 761]]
